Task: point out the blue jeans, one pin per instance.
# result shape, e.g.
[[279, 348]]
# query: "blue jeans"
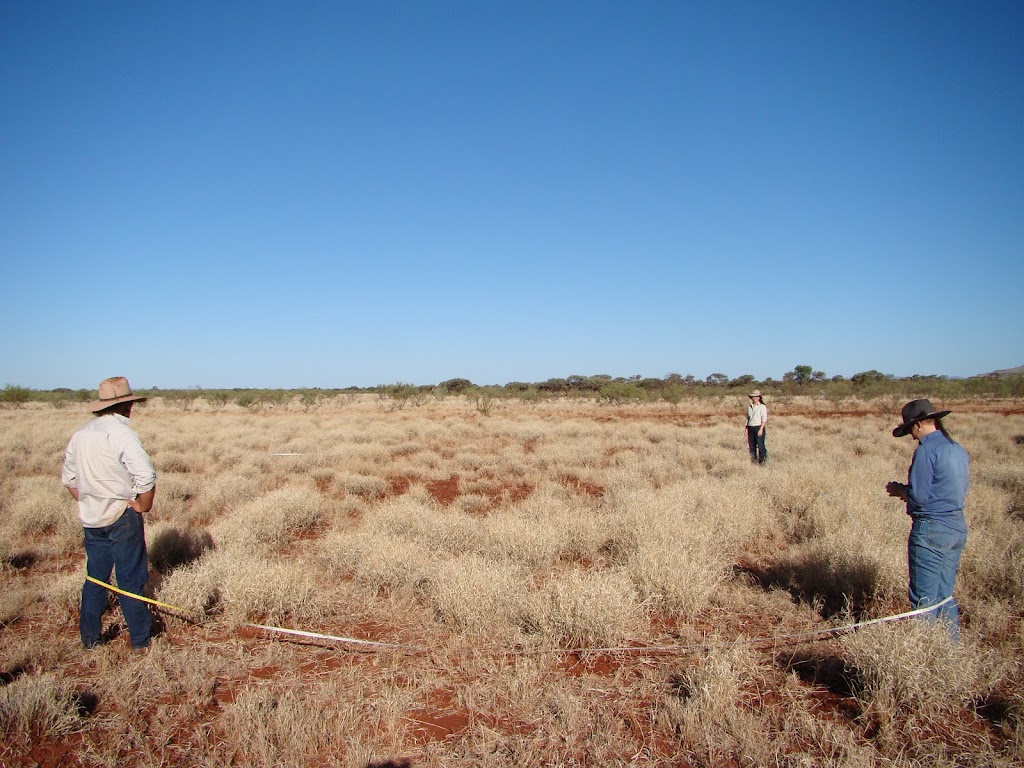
[[755, 443], [933, 555], [120, 545]]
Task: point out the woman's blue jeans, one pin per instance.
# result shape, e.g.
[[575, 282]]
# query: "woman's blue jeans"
[[933, 555], [121, 546], [755, 443]]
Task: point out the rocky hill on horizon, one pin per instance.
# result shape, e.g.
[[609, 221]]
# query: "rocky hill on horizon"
[[1006, 372]]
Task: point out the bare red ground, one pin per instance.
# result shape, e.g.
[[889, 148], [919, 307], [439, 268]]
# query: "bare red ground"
[[444, 492], [440, 718], [582, 487], [399, 485], [50, 755], [500, 492]]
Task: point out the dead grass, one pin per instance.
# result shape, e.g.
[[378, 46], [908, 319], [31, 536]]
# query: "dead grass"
[[37, 706], [509, 549]]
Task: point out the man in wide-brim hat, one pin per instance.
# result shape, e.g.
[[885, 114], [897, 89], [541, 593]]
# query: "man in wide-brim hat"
[[934, 493], [112, 478]]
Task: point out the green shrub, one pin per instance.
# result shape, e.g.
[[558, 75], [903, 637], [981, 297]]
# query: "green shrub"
[[673, 394], [246, 400], [15, 396], [401, 394], [621, 392], [217, 399], [456, 386]]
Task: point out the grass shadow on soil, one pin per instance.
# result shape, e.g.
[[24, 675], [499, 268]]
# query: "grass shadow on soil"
[[827, 671], [9, 676], [812, 578], [86, 703], [999, 709], [173, 548], [21, 560], [835, 684]]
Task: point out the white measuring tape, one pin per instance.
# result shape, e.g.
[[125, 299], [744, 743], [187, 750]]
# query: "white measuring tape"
[[620, 649], [317, 636], [752, 640]]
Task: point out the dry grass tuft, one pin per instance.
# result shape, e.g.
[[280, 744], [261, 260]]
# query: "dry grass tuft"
[[13, 604], [913, 681], [591, 610], [36, 706], [40, 507], [244, 587], [483, 599], [272, 520]]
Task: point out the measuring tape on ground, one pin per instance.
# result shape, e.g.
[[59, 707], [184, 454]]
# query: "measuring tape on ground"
[[620, 649], [264, 627]]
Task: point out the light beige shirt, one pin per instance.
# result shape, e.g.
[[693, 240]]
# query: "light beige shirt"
[[106, 462], [756, 415]]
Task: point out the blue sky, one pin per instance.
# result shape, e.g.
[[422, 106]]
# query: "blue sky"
[[269, 194]]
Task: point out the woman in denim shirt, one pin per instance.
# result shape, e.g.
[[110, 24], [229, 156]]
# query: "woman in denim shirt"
[[934, 492]]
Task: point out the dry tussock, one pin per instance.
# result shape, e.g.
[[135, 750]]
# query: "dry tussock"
[[916, 687], [293, 726], [710, 715], [591, 610], [509, 548], [37, 706], [13, 603], [244, 586], [472, 595], [271, 521]]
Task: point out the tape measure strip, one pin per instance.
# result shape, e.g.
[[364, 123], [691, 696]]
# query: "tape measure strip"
[[747, 641], [299, 632], [621, 649], [315, 635], [112, 588]]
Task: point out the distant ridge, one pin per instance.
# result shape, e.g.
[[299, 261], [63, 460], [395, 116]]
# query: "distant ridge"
[[1007, 372]]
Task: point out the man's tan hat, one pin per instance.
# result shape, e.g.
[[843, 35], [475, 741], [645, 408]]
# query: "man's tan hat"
[[755, 393], [113, 391]]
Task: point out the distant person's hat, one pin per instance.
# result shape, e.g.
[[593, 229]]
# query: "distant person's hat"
[[113, 391], [915, 411], [755, 393]]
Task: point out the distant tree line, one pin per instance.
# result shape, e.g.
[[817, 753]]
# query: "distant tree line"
[[673, 388]]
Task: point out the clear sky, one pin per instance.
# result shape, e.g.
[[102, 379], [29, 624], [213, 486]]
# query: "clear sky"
[[272, 194]]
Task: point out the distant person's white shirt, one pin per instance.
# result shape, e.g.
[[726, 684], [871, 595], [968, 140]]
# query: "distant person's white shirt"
[[757, 414]]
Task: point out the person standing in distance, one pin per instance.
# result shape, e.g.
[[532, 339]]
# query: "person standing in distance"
[[757, 420], [934, 492], [112, 478]]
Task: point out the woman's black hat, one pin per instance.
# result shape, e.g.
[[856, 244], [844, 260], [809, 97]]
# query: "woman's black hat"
[[914, 411]]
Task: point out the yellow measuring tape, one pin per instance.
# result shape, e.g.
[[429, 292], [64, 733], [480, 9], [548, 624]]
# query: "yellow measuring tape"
[[282, 630], [112, 588]]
